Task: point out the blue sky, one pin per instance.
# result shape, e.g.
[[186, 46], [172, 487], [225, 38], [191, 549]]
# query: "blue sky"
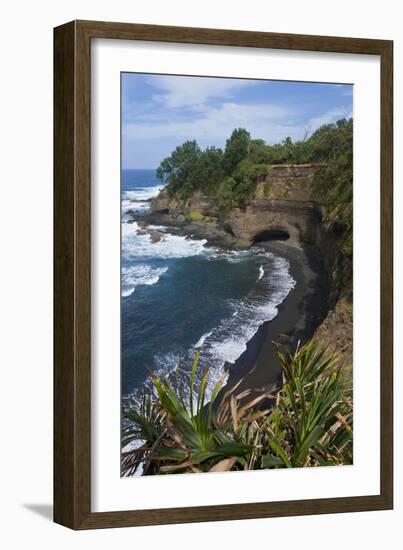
[[160, 112]]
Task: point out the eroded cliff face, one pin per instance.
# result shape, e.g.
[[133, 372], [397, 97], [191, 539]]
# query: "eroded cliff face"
[[174, 208], [283, 207], [282, 204]]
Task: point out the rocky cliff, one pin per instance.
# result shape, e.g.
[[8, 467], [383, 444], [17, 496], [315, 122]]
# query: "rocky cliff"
[[283, 207]]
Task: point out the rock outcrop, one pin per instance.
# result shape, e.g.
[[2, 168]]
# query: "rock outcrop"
[[336, 331], [282, 207], [172, 207]]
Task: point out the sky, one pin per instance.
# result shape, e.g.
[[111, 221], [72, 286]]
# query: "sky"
[[160, 112]]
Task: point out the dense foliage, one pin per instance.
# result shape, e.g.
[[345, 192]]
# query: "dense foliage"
[[333, 182], [236, 150], [233, 173], [308, 422]]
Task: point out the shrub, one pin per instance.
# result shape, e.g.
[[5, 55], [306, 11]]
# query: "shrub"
[[226, 195], [307, 422], [194, 216], [237, 148]]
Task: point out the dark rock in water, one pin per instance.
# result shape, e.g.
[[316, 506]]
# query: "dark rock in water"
[[155, 236]]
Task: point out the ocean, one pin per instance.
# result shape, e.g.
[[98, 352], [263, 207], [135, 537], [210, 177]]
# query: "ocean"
[[180, 295]]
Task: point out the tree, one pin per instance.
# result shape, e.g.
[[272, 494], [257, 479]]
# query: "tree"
[[182, 169], [333, 183], [330, 140], [211, 169], [259, 152], [247, 175], [236, 149], [225, 194]]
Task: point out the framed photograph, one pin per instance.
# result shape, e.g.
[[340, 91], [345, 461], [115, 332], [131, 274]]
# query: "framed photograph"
[[222, 275]]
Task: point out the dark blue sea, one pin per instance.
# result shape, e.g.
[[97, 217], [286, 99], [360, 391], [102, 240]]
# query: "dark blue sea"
[[179, 296]]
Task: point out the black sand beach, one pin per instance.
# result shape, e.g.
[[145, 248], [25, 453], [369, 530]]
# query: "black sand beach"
[[298, 316]]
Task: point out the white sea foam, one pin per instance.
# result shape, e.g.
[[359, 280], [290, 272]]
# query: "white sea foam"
[[135, 244], [166, 363], [261, 272], [135, 206], [137, 200], [140, 274], [234, 256], [157, 228], [142, 193], [202, 339]]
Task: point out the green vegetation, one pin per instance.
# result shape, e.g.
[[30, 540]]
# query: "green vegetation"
[[232, 174], [333, 183], [234, 191], [190, 169], [308, 422], [194, 216], [237, 150]]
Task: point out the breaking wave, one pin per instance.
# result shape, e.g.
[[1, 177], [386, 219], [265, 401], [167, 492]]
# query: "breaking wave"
[[140, 274]]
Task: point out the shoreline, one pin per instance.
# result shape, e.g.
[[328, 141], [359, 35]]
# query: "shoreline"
[[298, 316], [300, 313]]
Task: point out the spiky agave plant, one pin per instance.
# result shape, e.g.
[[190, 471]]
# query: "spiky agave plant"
[[308, 423], [144, 428], [311, 423], [190, 435]]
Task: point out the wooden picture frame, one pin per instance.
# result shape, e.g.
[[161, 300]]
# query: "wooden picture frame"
[[72, 270]]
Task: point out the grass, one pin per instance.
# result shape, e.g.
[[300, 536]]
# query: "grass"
[[307, 422], [194, 216]]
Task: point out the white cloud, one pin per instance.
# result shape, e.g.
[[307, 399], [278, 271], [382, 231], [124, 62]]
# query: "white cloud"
[[190, 92], [330, 116], [214, 124], [265, 121]]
